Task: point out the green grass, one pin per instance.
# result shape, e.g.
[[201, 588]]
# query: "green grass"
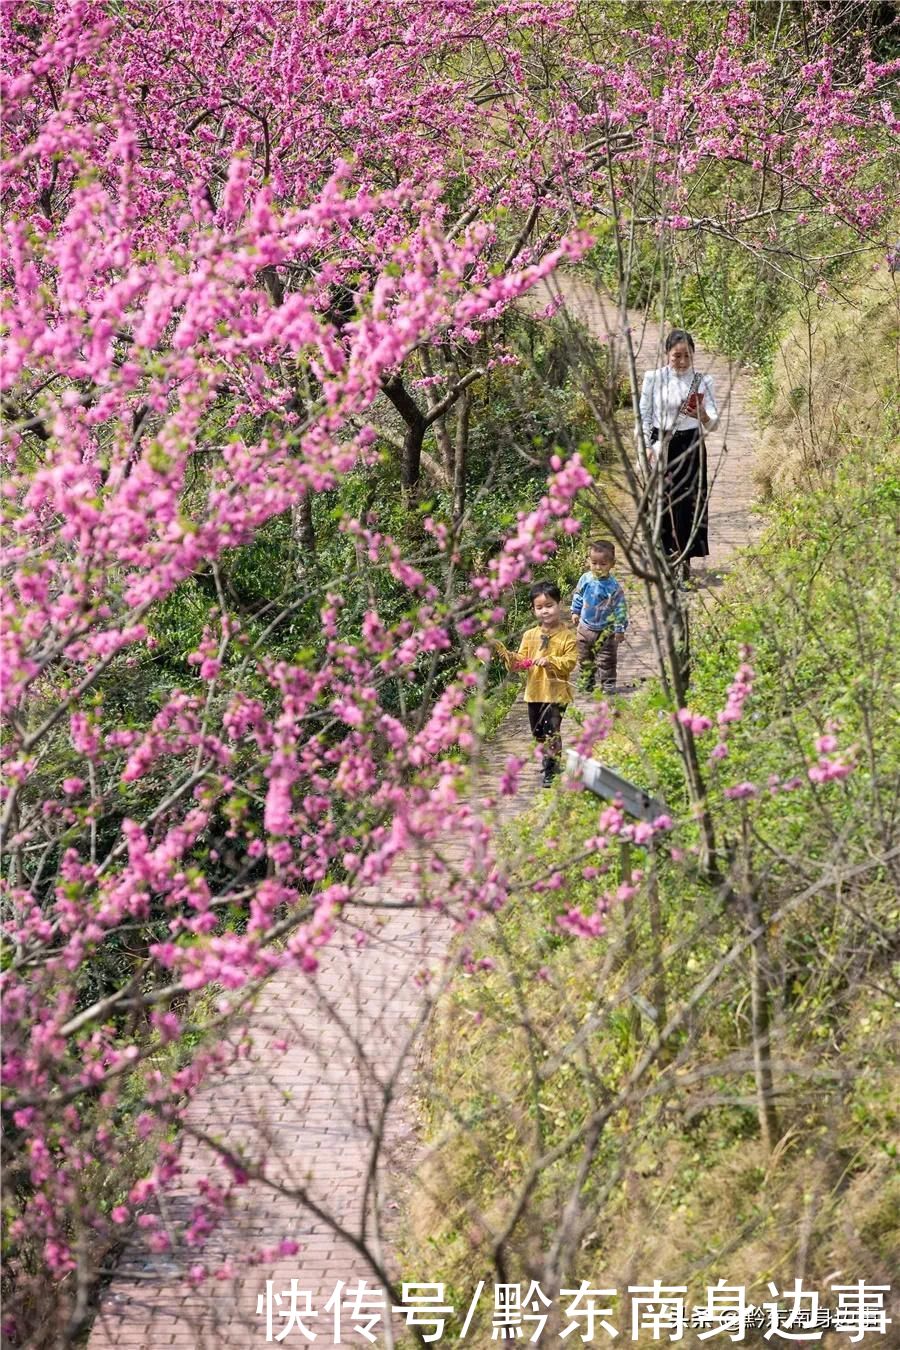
[[679, 1185]]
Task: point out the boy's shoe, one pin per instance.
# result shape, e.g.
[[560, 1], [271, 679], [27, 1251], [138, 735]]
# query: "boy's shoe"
[[549, 771]]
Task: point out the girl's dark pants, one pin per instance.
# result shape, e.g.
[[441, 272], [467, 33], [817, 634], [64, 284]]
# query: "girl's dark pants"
[[545, 720]]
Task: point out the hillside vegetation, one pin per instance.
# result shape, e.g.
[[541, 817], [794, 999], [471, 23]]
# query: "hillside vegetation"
[[831, 383], [675, 1178]]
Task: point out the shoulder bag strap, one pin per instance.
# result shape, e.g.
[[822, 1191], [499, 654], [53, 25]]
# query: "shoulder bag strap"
[[695, 387]]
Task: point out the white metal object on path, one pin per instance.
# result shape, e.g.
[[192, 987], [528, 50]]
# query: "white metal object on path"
[[604, 782]]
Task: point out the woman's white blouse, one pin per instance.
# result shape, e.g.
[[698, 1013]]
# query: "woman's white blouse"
[[663, 393]]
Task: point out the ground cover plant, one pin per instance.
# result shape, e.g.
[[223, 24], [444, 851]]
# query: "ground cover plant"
[[285, 427], [629, 1076]]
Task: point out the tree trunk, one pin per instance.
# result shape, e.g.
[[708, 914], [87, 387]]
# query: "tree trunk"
[[273, 284], [685, 739], [681, 632], [762, 1045], [416, 426], [411, 467], [460, 457], [447, 449], [304, 530], [630, 937], [656, 940], [760, 1019]]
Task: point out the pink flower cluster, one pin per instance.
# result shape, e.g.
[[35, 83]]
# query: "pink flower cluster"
[[833, 765], [612, 822], [696, 723], [738, 692]]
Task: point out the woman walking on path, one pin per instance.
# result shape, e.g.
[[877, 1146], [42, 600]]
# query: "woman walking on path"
[[677, 407]]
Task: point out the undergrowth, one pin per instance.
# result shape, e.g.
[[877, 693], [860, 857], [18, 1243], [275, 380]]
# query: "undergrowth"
[[532, 1054]]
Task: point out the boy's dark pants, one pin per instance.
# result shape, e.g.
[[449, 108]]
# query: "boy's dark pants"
[[597, 652], [545, 720]]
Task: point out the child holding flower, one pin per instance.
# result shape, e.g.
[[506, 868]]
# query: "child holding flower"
[[549, 653]]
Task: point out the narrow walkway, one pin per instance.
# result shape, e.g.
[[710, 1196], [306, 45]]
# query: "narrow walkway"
[[311, 1095], [730, 446]]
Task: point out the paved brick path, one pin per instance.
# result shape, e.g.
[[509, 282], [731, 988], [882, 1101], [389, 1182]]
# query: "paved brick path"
[[730, 469], [314, 1110]]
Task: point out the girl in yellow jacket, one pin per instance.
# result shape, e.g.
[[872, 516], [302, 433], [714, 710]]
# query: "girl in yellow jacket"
[[549, 653]]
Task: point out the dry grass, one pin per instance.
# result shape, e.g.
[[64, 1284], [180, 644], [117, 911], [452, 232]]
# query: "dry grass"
[[834, 382]]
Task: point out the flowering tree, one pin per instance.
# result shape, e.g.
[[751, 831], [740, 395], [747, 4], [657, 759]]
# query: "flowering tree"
[[153, 360], [235, 235]]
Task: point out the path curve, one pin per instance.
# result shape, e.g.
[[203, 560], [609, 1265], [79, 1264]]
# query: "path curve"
[[311, 1106], [731, 446]]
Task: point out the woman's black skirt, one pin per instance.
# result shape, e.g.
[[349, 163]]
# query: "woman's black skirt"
[[685, 512]]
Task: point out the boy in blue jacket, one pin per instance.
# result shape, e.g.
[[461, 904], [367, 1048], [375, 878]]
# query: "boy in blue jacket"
[[600, 611]]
